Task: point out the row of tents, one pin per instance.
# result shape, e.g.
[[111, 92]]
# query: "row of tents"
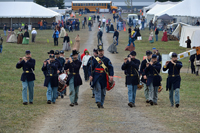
[[186, 11]]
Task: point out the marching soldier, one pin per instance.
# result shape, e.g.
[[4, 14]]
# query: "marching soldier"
[[60, 59], [89, 64], [52, 68], [174, 79], [131, 66], [102, 72], [27, 77], [144, 77], [74, 78], [152, 71]]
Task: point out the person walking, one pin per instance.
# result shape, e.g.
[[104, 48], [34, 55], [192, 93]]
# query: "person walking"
[[156, 33], [74, 79], [116, 34], [34, 33], [4, 29], [131, 66], [1, 43], [99, 36], [84, 65], [77, 43], [66, 43], [188, 42], [19, 36], [41, 25], [52, 68], [55, 37], [113, 47], [144, 76], [90, 26], [174, 79], [28, 76], [165, 38], [192, 59], [45, 24], [102, 73], [152, 71], [26, 37], [151, 38]]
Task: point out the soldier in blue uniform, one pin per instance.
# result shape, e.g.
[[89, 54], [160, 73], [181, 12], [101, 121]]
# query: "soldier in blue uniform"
[[131, 66], [174, 79], [144, 77], [27, 77], [152, 71], [102, 72], [60, 59], [89, 64], [52, 68], [74, 79]]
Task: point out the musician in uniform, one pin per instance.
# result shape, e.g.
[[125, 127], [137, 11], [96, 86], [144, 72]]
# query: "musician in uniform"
[[52, 68], [102, 72], [152, 71], [131, 66], [144, 77], [174, 79], [27, 77], [89, 64], [74, 78], [60, 59]]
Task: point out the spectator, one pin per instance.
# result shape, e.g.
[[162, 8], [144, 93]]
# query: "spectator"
[[156, 33], [55, 36], [188, 42], [4, 29], [84, 65], [1, 43], [34, 33], [99, 35], [45, 24]]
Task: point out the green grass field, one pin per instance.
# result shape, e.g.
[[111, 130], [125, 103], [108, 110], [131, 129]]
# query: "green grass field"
[[15, 117]]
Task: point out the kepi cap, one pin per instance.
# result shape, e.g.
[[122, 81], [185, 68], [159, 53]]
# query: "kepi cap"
[[133, 53], [27, 52], [50, 52], [57, 52], [154, 56]]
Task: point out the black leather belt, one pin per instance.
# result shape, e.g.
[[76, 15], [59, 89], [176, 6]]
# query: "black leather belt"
[[74, 73], [173, 75], [28, 71], [52, 75], [131, 75], [152, 74]]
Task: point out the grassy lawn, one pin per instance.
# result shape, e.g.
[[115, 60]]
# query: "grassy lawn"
[[14, 116], [184, 119]]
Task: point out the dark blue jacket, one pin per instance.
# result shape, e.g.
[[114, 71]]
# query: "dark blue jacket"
[[142, 70], [152, 73], [131, 70], [74, 68], [174, 75], [51, 74], [101, 76], [28, 68]]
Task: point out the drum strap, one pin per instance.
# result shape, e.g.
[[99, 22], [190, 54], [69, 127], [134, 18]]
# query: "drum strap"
[[102, 65]]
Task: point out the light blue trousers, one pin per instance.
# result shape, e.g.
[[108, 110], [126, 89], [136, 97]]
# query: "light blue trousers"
[[51, 93], [172, 96], [132, 93], [153, 93], [73, 91], [100, 93], [30, 85]]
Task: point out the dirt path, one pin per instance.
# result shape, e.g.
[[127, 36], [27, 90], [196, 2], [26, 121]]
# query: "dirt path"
[[86, 117]]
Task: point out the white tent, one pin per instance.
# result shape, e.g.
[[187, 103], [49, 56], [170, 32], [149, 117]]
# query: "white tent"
[[189, 31], [25, 10], [195, 39], [186, 11], [154, 4], [177, 31], [156, 9]]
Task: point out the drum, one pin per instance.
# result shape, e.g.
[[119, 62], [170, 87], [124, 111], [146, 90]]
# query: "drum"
[[62, 82], [140, 85]]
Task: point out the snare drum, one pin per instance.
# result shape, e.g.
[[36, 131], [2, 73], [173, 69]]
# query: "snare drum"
[[62, 82]]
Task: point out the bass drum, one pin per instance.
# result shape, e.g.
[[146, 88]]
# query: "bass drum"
[[62, 82]]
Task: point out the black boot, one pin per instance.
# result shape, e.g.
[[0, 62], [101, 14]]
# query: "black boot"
[[197, 73]]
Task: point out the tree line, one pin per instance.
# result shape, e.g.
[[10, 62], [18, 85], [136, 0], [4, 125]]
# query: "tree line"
[[51, 3]]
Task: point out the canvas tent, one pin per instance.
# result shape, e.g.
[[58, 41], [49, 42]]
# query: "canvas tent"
[[15, 12], [186, 11], [165, 17], [156, 9], [189, 31], [177, 31], [195, 39]]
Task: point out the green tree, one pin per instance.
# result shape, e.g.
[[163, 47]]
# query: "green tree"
[[128, 3], [167, 0], [51, 3]]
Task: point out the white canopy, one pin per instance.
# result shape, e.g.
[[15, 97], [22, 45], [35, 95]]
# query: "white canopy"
[[183, 11], [189, 31], [156, 9], [156, 3], [25, 10], [177, 31]]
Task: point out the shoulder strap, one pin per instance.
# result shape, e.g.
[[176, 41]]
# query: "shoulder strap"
[[102, 65]]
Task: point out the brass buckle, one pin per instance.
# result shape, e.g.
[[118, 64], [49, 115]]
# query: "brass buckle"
[[101, 71], [173, 75], [132, 74], [155, 74], [51, 74], [74, 73], [27, 71]]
